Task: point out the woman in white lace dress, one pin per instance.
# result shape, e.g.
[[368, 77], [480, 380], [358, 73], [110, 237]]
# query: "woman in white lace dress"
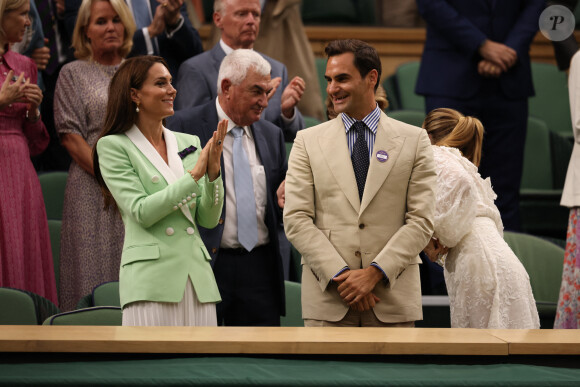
[[488, 286]]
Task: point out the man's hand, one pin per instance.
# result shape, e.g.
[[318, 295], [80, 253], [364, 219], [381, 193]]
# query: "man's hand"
[[368, 302], [281, 194], [60, 7], [499, 54], [291, 96], [157, 25], [41, 56], [357, 284], [487, 69], [171, 11]]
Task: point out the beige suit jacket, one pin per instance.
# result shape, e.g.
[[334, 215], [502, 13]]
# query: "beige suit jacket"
[[325, 220]]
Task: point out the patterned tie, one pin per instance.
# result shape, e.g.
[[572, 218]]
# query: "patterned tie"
[[244, 189], [360, 157], [45, 12]]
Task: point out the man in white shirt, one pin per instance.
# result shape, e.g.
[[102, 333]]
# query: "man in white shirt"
[[244, 246]]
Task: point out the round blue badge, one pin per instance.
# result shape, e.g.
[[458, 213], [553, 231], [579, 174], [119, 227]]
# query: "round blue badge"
[[382, 156]]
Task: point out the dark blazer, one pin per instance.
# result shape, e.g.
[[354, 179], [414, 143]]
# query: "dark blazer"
[[456, 29], [182, 45], [202, 121], [197, 84]]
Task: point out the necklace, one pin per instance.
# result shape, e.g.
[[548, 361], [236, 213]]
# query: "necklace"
[[108, 70]]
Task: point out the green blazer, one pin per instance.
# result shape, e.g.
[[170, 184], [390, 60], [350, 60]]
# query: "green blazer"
[[161, 206]]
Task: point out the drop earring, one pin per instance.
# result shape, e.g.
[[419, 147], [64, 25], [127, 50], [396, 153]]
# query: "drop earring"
[[137, 108]]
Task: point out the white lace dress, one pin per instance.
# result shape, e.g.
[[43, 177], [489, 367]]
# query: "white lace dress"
[[488, 286]]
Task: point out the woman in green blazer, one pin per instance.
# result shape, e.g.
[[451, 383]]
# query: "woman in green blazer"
[[164, 186]]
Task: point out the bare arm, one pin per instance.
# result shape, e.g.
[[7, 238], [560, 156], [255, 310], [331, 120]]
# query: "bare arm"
[[79, 150]]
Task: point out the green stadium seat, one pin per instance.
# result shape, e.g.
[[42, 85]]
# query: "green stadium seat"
[[293, 316], [17, 308], [53, 185], [107, 294], [551, 102], [98, 315], [543, 261], [54, 226], [540, 210], [338, 12], [411, 117], [406, 77]]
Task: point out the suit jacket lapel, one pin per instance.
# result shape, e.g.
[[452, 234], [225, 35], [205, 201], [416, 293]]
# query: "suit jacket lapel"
[[261, 145], [335, 151], [388, 140], [170, 172]]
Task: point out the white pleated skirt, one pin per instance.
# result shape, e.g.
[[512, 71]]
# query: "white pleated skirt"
[[188, 312]]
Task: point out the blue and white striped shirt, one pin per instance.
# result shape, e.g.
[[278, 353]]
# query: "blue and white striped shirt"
[[372, 123]]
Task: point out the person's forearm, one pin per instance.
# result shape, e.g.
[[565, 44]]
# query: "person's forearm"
[[79, 150]]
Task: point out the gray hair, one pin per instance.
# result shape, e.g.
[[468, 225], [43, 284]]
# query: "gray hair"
[[236, 65], [218, 6]]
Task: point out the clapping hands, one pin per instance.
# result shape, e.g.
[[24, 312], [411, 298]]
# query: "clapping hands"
[[210, 159], [20, 90]]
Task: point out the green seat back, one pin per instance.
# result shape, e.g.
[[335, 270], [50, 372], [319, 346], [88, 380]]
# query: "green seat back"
[[17, 308], [561, 148], [406, 77], [310, 121], [540, 210], [54, 227], [411, 117], [293, 316], [107, 294], [53, 185], [98, 315], [320, 71], [288, 149], [338, 12], [390, 86], [551, 102], [543, 261], [537, 173]]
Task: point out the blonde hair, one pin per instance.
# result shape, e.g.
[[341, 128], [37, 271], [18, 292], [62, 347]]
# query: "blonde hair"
[[448, 127], [81, 43], [7, 6]]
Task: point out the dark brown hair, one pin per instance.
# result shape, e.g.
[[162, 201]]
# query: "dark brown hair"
[[448, 127], [366, 57], [121, 114]]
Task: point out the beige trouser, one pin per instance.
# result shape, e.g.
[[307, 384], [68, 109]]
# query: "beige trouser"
[[358, 319]]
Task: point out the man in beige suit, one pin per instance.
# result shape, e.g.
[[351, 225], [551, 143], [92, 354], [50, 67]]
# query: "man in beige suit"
[[359, 202]]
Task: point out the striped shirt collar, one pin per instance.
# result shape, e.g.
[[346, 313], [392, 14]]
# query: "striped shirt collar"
[[371, 120]]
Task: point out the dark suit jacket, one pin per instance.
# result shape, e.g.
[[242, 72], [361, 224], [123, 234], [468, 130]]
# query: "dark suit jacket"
[[202, 121], [184, 44], [197, 83], [456, 29]]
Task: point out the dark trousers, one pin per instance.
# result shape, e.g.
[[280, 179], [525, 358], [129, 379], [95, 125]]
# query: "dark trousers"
[[249, 286], [55, 157], [505, 122]]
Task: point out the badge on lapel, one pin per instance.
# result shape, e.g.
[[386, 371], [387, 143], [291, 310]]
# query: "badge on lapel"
[[382, 156], [183, 153]]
